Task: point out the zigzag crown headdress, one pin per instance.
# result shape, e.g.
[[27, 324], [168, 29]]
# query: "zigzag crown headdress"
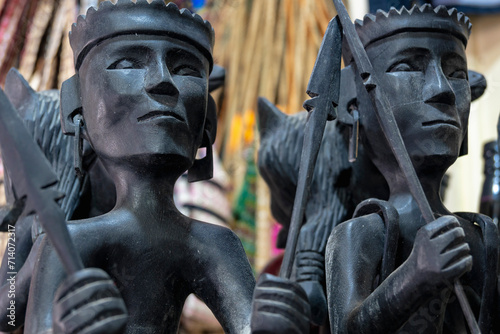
[[419, 18], [127, 18]]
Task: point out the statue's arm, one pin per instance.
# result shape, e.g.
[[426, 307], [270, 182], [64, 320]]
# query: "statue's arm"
[[227, 281], [354, 253]]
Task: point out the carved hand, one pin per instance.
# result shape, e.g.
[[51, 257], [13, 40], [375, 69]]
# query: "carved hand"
[[279, 306], [440, 254], [88, 302], [317, 301], [310, 275]]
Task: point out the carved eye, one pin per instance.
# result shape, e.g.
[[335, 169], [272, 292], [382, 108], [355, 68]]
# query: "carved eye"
[[401, 67], [186, 70], [125, 64], [459, 74]]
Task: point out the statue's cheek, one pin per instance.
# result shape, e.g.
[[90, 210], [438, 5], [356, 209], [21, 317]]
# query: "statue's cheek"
[[405, 87], [125, 82]]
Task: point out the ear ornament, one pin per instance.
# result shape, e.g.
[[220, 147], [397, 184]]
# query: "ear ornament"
[[203, 169]]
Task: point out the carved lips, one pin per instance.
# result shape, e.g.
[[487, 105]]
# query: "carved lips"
[[442, 114], [157, 114], [451, 122]]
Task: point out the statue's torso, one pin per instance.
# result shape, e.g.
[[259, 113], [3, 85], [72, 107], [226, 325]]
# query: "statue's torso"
[[155, 264], [440, 313]]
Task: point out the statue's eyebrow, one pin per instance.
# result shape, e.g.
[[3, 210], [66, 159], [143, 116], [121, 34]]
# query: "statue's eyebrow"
[[452, 55], [181, 53], [131, 50], [413, 51]]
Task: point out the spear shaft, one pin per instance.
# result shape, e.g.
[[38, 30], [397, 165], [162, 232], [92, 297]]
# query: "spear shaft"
[[323, 88]]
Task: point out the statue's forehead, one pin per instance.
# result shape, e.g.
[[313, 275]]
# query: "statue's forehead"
[[134, 46], [434, 43], [159, 42]]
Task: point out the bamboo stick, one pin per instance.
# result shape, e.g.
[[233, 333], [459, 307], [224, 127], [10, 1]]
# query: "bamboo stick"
[[249, 71], [233, 70], [66, 63], [327, 11], [280, 52], [267, 78], [301, 51], [39, 25], [264, 224], [58, 24], [290, 56], [8, 27]]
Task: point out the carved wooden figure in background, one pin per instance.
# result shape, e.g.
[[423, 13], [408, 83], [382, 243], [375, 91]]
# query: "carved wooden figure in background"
[[387, 271], [140, 98]]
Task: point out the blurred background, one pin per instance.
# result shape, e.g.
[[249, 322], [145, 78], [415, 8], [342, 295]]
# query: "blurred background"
[[268, 48]]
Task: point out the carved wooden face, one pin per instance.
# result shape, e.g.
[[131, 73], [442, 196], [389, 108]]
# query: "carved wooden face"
[[145, 97], [425, 77]]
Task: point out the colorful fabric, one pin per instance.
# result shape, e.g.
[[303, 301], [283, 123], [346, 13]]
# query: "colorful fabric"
[[245, 210]]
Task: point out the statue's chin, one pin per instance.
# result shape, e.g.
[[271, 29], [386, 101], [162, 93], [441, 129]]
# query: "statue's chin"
[[433, 164], [162, 163], [426, 166]]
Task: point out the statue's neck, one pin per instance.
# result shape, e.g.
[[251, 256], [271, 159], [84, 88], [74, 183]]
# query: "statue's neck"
[[401, 196], [143, 192]]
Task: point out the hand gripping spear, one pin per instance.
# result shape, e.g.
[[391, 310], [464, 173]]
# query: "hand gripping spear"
[[323, 88], [391, 131], [33, 179]]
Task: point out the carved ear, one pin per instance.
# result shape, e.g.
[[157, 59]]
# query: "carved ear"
[[477, 83], [348, 95], [20, 94], [71, 104], [203, 169], [217, 78], [269, 116], [211, 120]]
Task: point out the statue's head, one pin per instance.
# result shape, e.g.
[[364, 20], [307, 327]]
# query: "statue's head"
[[420, 55], [142, 83]]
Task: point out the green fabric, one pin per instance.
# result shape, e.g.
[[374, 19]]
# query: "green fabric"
[[245, 210]]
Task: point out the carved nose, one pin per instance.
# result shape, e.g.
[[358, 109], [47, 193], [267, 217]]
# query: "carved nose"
[[159, 82], [437, 89], [163, 88]]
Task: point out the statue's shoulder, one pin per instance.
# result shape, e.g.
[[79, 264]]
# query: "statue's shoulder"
[[211, 234], [359, 229], [480, 230], [372, 217], [215, 243], [101, 230], [375, 226], [475, 218]]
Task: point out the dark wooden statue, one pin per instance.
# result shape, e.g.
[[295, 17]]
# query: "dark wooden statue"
[[88, 195], [387, 270], [140, 98]]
